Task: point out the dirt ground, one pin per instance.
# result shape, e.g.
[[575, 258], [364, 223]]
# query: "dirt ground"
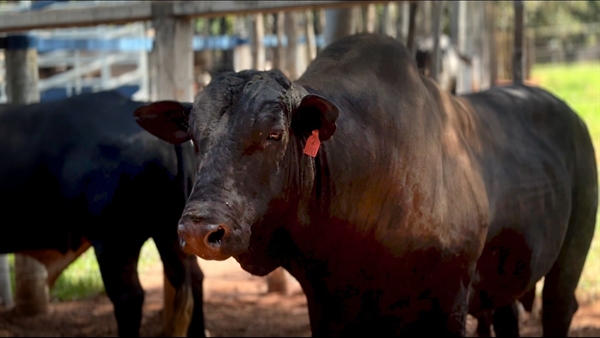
[[236, 304]]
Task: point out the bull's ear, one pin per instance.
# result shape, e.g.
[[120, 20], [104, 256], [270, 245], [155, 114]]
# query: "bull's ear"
[[315, 113], [167, 120]]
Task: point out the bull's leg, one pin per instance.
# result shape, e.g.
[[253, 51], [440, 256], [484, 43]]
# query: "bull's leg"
[[185, 276], [484, 323], [506, 321], [558, 297], [196, 328], [118, 266], [527, 299]]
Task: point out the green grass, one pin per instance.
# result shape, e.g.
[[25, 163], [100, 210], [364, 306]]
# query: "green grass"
[[82, 278], [579, 86]]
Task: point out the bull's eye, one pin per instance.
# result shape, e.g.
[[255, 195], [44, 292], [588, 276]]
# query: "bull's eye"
[[274, 136]]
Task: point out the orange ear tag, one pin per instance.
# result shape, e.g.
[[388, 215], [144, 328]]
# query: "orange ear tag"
[[312, 144]]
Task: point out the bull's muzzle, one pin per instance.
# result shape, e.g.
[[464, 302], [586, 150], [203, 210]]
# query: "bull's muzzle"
[[207, 240]]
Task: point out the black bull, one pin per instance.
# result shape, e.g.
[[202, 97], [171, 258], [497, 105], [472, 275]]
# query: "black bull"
[[418, 208], [82, 167]]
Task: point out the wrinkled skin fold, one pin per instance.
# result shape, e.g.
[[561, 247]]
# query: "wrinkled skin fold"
[[419, 207]]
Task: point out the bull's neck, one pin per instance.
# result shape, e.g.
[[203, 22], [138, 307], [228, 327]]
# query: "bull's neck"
[[306, 181]]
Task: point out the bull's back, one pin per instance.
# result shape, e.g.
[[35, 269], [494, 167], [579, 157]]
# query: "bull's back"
[[533, 147]]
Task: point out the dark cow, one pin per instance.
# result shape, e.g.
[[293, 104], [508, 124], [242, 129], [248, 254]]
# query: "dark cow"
[[398, 207], [448, 75], [82, 167]]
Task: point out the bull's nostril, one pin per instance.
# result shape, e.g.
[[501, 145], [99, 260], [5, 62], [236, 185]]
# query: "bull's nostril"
[[215, 237]]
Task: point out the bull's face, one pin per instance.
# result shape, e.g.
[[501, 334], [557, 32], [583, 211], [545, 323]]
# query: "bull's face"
[[247, 128]]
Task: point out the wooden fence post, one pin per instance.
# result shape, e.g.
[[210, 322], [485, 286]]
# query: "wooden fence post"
[[258, 44], [464, 81], [371, 18], [338, 24], [491, 37], [279, 52], [292, 50], [174, 81], [309, 33], [242, 53], [412, 16], [518, 42], [402, 23], [436, 20], [6, 296], [32, 296]]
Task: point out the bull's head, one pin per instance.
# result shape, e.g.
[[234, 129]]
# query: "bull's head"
[[249, 129]]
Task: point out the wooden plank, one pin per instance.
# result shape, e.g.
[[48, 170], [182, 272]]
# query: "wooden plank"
[[219, 8], [141, 11], [173, 47], [75, 17], [21, 75]]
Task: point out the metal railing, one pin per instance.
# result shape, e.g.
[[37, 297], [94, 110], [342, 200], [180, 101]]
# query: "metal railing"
[[90, 69]]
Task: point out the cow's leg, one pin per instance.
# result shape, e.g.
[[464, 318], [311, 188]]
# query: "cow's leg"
[[506, 321], [185, 276], [118, 266], [484, 323], [527, 299], [196, 328], [558, 297]]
